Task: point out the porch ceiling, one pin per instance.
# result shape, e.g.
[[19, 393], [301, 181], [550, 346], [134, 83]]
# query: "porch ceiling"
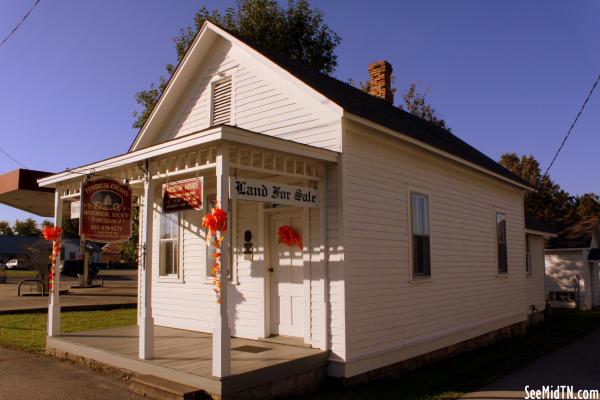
[[19, 189], [183, 154]]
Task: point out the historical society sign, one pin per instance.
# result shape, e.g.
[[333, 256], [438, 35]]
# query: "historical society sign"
[[271, 192], [105, 211]]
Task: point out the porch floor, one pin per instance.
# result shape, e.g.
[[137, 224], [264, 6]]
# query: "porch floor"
[[186, 357]]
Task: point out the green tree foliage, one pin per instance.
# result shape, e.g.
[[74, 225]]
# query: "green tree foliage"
[[549, 202], [415, 102], [587, 206], [70, 227], [130, 248], [28, 227], [298, 31], [5, 229]]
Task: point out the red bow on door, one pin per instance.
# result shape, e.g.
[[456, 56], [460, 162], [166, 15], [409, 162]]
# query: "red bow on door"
[[289, 236]]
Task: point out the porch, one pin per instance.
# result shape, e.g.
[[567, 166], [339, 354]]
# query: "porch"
[[185, 357]]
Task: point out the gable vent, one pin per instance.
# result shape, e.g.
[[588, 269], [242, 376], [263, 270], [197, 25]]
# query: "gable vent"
[[221, 102]]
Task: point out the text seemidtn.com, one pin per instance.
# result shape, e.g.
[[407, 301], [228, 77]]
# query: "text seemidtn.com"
[[552, 392]]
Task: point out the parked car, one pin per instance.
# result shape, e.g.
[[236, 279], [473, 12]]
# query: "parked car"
[[17, 263], [75, 267]]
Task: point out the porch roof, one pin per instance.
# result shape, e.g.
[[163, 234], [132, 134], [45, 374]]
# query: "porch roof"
[[206, 136]]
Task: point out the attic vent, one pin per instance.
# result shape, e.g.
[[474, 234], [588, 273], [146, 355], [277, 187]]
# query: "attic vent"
[[221, 102]]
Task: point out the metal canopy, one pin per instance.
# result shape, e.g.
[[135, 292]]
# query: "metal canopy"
[[19, 189]]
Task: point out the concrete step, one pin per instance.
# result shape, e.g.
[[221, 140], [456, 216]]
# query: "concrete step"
[[157, 388]]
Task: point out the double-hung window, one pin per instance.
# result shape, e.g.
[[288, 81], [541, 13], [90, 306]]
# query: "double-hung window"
[[501, 243], [528, 254], [421, 258], [169, 245]]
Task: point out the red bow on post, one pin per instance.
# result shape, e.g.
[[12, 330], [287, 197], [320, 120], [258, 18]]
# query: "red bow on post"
[[53, 234], [216, 224]]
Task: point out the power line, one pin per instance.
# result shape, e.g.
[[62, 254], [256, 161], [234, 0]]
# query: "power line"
[[12, 158], [571, 128], [19, 24]]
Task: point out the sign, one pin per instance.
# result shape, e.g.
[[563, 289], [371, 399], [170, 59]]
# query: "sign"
[[75, 209], [270, 192], [183, 195], [105, 211]]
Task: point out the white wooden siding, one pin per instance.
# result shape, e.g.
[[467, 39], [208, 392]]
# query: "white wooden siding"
[[261, 102], [563, 268], [535, 287], [385, 310]]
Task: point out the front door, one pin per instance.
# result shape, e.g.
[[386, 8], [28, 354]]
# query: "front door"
[[287, 277]]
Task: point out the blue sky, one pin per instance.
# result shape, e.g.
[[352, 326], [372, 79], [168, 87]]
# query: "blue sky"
[[506, 75]]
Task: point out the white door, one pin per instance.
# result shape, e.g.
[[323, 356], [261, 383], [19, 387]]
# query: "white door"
[[287, 277]]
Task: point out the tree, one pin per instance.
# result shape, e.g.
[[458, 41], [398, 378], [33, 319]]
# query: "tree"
[[70, 227], [415, 102], [5, 229], [587, 206], [297, 31], [549, 202], [27, 227], [130, 247]]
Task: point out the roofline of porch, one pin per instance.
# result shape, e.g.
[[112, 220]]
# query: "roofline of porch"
[[209, 135]]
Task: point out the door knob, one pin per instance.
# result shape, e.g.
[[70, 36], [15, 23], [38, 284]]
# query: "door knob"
[[271, 270]]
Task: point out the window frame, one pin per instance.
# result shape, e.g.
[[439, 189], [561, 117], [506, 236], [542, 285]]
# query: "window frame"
[[176, 277], [215, 82], [497, 242], [414, 276], [528, 255]]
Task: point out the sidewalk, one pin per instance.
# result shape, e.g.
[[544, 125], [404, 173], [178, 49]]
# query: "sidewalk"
[[577, 364], [27, 376], [120, 289]]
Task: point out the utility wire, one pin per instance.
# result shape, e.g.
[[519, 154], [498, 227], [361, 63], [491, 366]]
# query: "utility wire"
[[571, 128], [12, 158], [19, 24]]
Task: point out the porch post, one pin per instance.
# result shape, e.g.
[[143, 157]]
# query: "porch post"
[[221, 361], [146, 326], [322, 189], [54, 301]]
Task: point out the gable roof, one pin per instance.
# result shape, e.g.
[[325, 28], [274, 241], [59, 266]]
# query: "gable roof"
[[356, 102], [574, 234]]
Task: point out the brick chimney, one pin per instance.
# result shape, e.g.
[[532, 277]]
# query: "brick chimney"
[[380, 74]]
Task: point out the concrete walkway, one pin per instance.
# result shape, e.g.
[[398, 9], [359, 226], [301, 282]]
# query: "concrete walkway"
[[120, 288], [577, 364], [27, 376]]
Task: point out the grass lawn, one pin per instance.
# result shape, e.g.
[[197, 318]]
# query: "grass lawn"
[[28, 331], [15, 273], [465, 373]]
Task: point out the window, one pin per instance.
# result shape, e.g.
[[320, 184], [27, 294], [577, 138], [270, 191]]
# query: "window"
[[221, 102], [528, 254], [169, 245], [420, 235], [501, 243]]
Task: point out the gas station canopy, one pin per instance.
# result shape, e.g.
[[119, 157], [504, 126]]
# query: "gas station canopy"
[[19, 189]]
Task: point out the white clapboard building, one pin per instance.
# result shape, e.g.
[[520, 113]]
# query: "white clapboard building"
[[412, 240]]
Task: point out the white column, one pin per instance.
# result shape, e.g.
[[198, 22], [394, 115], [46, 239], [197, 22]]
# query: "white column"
[[146, 323], [322, 189], [54, 301], [221, 360]]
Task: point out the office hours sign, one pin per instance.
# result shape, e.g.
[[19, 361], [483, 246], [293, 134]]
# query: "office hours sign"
[[271, 192]]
